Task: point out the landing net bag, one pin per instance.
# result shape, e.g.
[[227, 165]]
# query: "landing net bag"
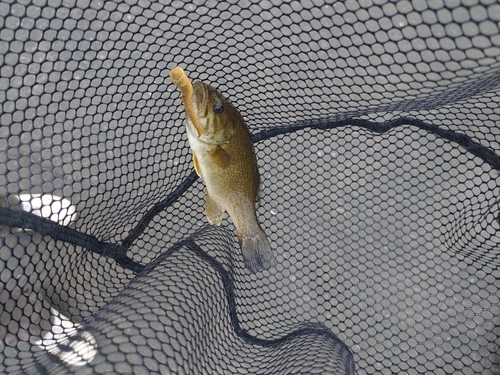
[[376, 126]]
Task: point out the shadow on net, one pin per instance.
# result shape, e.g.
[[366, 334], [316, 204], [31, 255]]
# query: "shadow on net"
[[179, 315]]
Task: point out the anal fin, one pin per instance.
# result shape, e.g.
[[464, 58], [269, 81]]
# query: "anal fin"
[[213, 210]]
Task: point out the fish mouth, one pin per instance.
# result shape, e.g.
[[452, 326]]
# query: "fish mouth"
[[200, 98]]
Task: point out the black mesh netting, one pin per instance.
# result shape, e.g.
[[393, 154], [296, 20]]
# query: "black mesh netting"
[[377, 131]]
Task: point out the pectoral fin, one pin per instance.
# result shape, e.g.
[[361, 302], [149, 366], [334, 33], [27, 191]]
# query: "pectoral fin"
[[196, 165], [213, 210], [220, 157]]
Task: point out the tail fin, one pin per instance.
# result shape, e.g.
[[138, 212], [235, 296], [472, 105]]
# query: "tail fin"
[[257, 252]]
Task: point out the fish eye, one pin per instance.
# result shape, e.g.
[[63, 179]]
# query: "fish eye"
[[218, 109]]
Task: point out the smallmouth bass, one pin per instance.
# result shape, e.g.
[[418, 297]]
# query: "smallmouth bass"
[[224, 157]]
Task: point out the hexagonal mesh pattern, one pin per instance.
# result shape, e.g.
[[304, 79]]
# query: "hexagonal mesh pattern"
[[376, 130]]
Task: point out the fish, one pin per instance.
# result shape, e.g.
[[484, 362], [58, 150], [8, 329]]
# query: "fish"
[[224, 157]]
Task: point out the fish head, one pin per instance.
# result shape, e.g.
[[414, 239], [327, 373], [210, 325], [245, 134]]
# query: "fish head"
[[215, 113]]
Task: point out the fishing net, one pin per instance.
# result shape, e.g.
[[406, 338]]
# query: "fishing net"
[[376, 128]]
